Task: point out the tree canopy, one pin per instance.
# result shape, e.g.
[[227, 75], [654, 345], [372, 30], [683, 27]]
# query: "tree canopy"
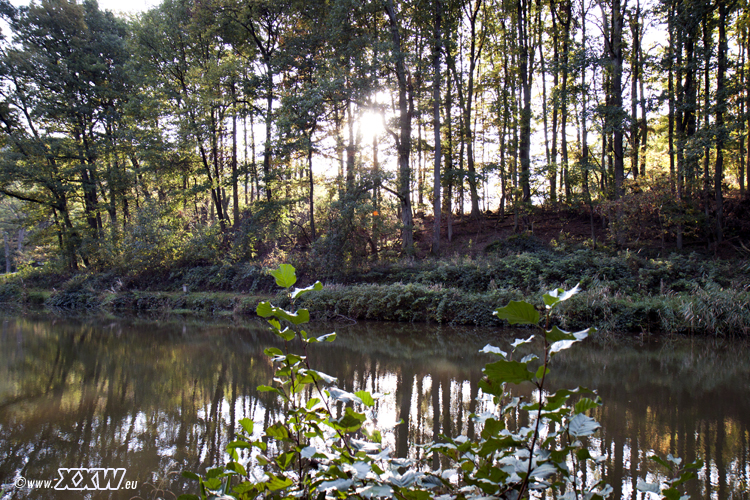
[[246, 128]]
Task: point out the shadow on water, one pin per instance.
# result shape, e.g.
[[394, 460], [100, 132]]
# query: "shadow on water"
[[157, 398]]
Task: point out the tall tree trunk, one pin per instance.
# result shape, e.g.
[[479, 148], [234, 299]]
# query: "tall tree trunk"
[[436, 205], [403, 141], [613, 27], [526, 61], [566, 22], [720, 109], [707, 36], [555, 103], [235, 175], [584, 128], [474, 54], [635, 63], [350, 147], [548, 156], [269, 123], [448, 197]]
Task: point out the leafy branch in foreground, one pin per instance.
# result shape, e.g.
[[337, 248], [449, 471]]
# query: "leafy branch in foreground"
[[322, 445]]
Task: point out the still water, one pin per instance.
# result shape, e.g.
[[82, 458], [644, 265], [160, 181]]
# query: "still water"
[[156, 398]]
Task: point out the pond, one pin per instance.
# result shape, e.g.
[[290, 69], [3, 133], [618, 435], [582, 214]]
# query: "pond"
[[158, 397]]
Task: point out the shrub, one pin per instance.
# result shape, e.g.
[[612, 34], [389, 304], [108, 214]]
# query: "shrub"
[[324, 445]]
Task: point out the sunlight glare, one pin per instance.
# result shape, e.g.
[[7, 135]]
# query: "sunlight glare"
[[370, 125]]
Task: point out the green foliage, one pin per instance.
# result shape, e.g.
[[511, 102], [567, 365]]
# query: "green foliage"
[[678, 473], [323, 445]]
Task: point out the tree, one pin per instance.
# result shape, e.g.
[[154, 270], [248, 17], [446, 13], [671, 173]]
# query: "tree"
[[403, 137], [64, 88]]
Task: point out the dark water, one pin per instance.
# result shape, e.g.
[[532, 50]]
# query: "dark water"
[[158, 398]]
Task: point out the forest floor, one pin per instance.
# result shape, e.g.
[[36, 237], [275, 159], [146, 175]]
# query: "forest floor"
[[575, 226]]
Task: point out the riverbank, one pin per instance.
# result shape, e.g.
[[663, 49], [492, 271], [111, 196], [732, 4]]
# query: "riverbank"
[[621, 292]]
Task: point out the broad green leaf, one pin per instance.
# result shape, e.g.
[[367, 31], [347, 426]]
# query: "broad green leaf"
[[508, 371], [373, 491], [467, 466], [277, 431], [268, 388], [366, 398], [191, 475], [317, 375], [239, 444], [345, 397], [492, 427], [337, 484], [518, 342], [581, 425], [415, 494], [329, 337], [244, 488], [671, 494], [286, 334], [552, 297], [264, 309], [661, 462], [278, 482], [685, 476], [285, 275], [494, 350], [563, 344], [555, 335], [237, 468], [247, 424], [213, 483], [299, 291], [285, 459], [558, 295], [272, 352], [518, 313], [558, 399], [586, 404], [351, 421]]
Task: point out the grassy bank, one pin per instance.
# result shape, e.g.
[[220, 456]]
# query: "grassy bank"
[[622, 292]]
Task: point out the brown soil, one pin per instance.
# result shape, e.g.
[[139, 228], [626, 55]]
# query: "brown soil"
[[574, 226]]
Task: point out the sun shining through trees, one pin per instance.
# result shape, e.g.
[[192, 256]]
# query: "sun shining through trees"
[[226, 115]]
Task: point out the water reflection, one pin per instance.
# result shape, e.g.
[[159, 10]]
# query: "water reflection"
[[158, 398]]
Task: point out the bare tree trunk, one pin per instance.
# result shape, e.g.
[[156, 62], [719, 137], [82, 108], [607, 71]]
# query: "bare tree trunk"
[[403, 140], [613, 26], [566, 22], [720, 132], [269, 123], [448, 197], [436, 205], [235, 175], [526, 63], [635, 50]]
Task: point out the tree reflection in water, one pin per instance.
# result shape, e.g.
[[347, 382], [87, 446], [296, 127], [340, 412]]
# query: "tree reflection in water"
[[159, 398]]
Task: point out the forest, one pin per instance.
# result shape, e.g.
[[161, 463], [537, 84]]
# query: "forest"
[[219, 130]]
